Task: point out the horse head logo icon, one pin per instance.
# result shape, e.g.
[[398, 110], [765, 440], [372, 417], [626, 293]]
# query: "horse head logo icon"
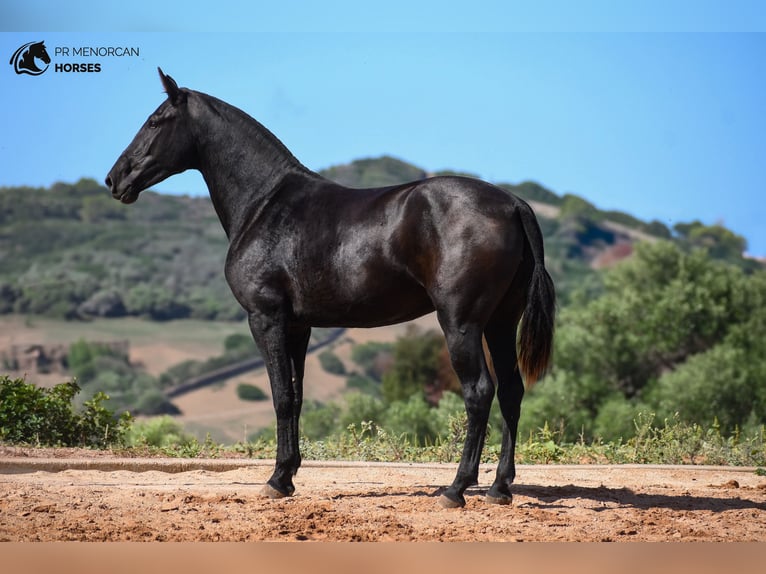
[[24, 59]]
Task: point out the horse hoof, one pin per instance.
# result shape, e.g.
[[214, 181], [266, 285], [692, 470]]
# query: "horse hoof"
[[446, 502], [272, 493], [503, 499]]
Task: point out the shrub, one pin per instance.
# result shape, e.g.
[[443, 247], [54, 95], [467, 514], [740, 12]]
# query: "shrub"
[[319, 421], [161, 432], [363, 384], [154, 402], [361, 407], [721, 383], [46, 417], [248, 392], [416, 364], [239, 342], [412, 418], [374, 357], [615, 419], [331, 363]]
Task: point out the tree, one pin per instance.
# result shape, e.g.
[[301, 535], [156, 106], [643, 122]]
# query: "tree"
[[576, 206], [659, 307], [416, 364], [722, 384], [413, 418], [374, 357], [718, 241], [671, 330]]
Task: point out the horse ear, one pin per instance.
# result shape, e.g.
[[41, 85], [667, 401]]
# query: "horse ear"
[[175, 95]]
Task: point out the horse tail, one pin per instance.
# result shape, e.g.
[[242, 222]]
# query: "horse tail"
[[537, 324]]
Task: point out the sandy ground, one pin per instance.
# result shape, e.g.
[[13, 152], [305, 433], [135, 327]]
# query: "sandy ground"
[[101, 498]]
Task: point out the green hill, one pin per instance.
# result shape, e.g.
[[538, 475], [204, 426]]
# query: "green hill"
[[70, 251]]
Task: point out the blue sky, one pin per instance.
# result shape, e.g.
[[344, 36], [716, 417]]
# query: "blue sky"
[[658, 111]]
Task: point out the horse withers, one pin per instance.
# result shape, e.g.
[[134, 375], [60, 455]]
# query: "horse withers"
[[306, 252]]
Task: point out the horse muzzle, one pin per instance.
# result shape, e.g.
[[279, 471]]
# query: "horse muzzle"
[[120, 191], [121, 181]]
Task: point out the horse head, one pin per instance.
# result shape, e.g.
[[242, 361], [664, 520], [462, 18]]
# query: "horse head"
[[162, 147]]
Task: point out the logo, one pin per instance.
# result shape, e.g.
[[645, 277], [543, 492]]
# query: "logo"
[[24, 60], [33, 59]]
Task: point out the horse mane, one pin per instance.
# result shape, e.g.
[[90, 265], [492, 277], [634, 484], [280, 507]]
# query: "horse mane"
[[232, 114]]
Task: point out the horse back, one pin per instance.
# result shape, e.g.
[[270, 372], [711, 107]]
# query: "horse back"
[[335, 256]]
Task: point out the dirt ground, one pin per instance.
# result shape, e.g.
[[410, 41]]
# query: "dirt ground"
[[55, 496]]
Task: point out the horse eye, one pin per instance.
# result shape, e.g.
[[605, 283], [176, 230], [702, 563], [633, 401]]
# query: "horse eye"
[[152, 124]]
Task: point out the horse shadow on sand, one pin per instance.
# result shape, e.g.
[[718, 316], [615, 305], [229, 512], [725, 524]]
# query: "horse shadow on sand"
[[607, 498]]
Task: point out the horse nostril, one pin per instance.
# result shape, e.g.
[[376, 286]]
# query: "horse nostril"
[[108, 182]]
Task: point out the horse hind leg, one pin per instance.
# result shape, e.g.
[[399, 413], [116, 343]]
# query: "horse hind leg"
[[467, 356], [501, 340]]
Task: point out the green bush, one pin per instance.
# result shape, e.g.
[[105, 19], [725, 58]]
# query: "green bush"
[[563, 401], [615, 419], [319, 421], [47, 417], [83, 359], [413, 419], [161, 432], [363, 384], [416, 364], [331, 363], [672, 332], [722, 383], [154, 402], [239, 343], [372, 357], [360, 407], [248, 392]]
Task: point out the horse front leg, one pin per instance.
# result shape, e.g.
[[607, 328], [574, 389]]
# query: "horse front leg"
[[272, 339]]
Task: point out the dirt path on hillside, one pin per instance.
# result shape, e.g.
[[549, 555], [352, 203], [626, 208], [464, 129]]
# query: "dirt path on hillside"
[[109, 499]]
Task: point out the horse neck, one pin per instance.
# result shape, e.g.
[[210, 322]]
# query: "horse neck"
[[242, 163]]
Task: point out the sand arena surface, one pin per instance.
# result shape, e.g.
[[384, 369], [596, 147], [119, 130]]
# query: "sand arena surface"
[[103, 498]]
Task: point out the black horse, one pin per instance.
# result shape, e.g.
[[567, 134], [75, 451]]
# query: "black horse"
[[304, 251]]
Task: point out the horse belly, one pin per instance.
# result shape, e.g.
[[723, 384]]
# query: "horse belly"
[[355, 303]]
